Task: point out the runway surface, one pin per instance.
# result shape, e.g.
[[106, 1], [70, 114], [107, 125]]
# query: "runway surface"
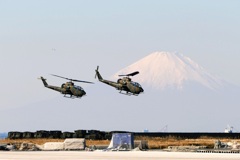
[[97, 155]]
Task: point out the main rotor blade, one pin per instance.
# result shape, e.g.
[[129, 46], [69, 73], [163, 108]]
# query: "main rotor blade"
[[60, 77], [130, 74], [75, 80]]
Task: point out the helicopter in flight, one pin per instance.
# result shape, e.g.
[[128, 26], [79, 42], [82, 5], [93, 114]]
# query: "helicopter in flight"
[[67, 88], [123, 84]]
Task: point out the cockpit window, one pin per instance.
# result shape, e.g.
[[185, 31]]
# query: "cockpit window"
[[78, 87], [136, 84]]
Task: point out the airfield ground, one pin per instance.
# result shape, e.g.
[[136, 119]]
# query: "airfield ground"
[[154, 152], [153, 143]]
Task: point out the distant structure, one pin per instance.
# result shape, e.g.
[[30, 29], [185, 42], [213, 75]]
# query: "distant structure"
[[229, 129], [164, 129]]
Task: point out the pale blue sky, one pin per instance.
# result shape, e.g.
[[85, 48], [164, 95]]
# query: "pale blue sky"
[[112, 34], [206, 31]]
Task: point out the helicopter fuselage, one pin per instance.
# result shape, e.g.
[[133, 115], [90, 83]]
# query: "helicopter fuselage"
[[129, 86], [71, 89]]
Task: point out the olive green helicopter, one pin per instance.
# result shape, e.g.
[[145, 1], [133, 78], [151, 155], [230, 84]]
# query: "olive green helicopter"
[[68, 88], [123, 84]]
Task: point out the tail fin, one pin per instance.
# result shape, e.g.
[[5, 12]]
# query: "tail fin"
[[98, 74], [44, 81]]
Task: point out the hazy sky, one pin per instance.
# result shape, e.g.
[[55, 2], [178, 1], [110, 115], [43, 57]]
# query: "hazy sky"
[[70, 38]]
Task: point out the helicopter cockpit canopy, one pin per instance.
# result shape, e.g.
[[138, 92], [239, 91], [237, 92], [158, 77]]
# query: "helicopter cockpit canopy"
[[78, 87], [136, 84]]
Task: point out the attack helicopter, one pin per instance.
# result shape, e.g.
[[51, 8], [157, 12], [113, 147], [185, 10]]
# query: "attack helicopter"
[[67, 88], [123, 84]]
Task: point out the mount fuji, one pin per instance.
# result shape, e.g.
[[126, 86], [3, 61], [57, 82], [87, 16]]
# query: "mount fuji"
[[181, 93], [164, 70]]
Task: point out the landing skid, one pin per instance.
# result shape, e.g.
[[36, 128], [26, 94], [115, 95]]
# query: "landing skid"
[[72, 97], [128, 93]]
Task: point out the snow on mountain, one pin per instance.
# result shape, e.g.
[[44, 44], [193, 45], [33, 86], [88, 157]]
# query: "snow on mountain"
[[163, 70]]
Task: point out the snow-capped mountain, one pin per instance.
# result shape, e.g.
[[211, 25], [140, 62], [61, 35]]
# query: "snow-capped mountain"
[[163, 70]]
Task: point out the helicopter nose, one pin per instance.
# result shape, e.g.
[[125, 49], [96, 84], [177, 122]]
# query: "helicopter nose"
[[142, 90], [83, 92]]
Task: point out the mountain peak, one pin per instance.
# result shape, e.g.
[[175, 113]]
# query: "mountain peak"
[[163, 70]]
